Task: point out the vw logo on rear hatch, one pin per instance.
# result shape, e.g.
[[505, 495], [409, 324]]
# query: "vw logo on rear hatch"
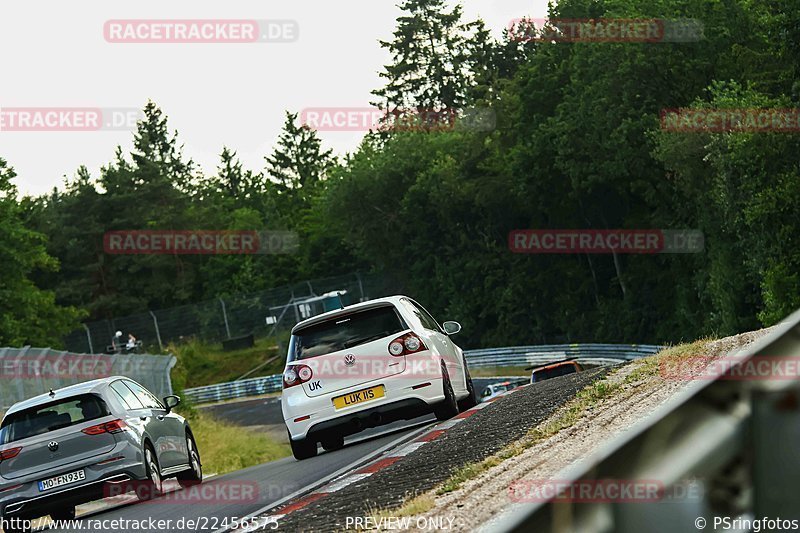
[[52, 446], [349, 359]]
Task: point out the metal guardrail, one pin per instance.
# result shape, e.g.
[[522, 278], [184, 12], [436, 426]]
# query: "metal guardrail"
[[234, 389], [27, 372], [723, 449], [510, 356], [530, 355]]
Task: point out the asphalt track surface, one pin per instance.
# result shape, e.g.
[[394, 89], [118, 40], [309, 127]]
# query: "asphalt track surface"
[[267, 411], [242, 493], [433, 458]]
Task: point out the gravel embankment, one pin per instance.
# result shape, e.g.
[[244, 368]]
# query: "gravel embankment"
[[479, 436], [482, 499]]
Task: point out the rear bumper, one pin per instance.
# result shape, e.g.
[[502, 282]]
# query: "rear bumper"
[[22, 497], [368, 418], [39, 505], [401, 402]]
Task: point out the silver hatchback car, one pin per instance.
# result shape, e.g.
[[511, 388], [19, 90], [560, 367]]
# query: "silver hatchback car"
[[88, 441]]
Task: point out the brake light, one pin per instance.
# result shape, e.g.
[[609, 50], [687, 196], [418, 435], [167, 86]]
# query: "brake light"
[[10, 453], [296, 375], [407, 344], [115, 426]]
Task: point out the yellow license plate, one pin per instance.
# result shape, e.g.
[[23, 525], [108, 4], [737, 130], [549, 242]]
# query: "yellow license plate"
[[366, 395]]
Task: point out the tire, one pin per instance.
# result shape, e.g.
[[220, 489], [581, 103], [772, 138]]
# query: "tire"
[[193, 476], [303, 448], [333, 444], [447, 408], [470, 401], [153, 486], [63, 513]]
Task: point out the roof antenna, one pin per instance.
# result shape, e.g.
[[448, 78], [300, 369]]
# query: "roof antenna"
[[52, 394]]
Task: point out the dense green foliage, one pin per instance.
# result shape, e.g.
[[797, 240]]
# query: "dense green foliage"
[[577, 145], [28, 314]]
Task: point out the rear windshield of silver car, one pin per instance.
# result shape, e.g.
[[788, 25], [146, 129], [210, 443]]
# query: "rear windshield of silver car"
[[52, 416], [345, 332]]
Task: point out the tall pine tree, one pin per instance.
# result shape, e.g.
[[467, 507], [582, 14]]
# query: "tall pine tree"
[[298, 164], [433, 54]]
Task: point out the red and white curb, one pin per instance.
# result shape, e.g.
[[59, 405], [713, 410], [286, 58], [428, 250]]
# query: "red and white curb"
[[387, 460]]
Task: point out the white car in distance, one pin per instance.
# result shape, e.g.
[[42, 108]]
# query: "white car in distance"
[[367, 365]]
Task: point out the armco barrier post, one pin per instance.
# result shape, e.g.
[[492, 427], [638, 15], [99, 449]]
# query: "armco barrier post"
[[225, 316], [89, 338], [158, 332]]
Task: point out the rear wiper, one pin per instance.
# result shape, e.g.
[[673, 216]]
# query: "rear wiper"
[[354, 342]]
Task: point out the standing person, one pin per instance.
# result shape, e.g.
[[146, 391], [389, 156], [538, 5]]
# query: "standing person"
[[116, 342], [131, 344]]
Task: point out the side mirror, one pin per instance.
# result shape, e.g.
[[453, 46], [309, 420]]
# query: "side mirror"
[[172, 402], [451, 327]]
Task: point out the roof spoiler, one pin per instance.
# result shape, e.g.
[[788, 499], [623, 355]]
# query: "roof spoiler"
[[339, 313]]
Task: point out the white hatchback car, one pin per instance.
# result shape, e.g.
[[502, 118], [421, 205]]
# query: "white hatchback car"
[[366, 365]]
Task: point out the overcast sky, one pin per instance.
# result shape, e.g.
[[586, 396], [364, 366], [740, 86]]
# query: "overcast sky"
[[55, 55]]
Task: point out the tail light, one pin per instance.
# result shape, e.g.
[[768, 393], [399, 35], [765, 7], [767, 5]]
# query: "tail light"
[[296, 375], [405, 345], [115, 426], [10, 453]]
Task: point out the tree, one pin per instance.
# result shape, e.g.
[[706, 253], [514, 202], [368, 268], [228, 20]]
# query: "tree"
[[431, 58], [28, 314], [150, 189], [298, 165]]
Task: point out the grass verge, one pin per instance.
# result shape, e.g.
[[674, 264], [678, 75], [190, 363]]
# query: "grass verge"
[[226, 448], [201, 363], [411, 507]]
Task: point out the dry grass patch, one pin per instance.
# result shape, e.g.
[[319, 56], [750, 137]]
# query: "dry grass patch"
[[636, 373], [412, 506]]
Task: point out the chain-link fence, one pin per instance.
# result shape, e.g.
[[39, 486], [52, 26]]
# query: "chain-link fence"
[[27, 372], [258, 314]]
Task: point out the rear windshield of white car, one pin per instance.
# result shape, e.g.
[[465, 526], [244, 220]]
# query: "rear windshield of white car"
[[52, 416], [345, 332]]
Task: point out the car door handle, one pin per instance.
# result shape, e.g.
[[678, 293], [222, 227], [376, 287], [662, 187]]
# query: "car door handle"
[[160, 417], [142, 418]]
